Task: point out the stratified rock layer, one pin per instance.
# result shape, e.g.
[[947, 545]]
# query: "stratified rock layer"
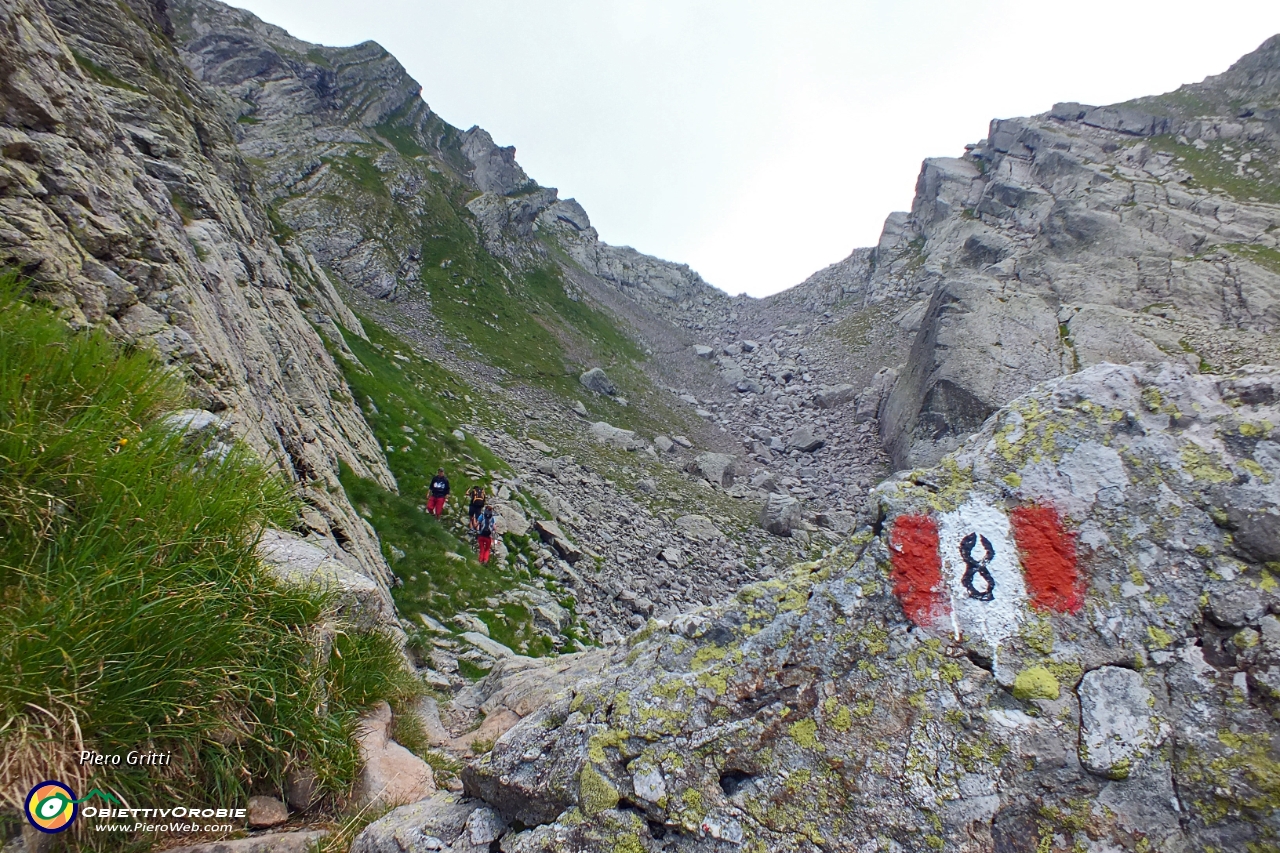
[[810, 713], [124, 199]]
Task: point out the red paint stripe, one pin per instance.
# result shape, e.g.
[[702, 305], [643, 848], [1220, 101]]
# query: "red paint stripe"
[[1048, 552], [917, 568]]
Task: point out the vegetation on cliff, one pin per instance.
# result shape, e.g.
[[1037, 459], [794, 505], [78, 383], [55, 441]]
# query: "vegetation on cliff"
[[134, 613]]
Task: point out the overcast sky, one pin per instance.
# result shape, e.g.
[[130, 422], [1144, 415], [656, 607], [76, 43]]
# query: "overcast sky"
[[760, 141]]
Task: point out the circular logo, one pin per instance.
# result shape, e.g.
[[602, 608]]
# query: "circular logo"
[[51, 806]]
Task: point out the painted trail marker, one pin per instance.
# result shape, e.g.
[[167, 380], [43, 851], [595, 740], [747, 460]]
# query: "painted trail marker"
[[982, 568]]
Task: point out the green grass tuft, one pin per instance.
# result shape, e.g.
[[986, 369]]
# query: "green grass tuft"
[[134, 614]]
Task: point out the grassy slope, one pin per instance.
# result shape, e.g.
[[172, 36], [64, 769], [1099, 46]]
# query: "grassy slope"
[[523, 322], [411, 392], [133, 612]]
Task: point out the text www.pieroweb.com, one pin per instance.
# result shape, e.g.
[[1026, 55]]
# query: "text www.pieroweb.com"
[[177, 819]]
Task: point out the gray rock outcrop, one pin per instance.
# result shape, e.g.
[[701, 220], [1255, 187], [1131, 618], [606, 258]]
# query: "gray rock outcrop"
[[1138, 232], [1088, 682]]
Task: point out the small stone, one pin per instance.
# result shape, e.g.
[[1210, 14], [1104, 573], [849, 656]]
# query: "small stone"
[[266, 811]]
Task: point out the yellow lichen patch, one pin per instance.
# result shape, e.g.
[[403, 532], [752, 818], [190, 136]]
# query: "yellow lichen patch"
[[843, 720], [1250, 430], [672, 690], [1065, 671], [1202, 466], [1035, 682], [1038, 632], [1152, 399], [707, 655], [628, 843], [1255, 470], [692, 799], [597, 744], [954, 488], [595, 794], [874, 639], [578, 702], [1157, 638], [714, 681], [805, 733]]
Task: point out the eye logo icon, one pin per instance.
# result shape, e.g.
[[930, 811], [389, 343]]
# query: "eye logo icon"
[[51, 806]]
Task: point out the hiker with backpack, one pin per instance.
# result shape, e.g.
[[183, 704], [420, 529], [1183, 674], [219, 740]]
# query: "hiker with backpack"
[[485, 524], [475, 505], [437, 493]]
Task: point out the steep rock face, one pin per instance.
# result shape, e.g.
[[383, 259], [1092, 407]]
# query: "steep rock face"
[[315, 119], [125, 202], [1057, 637], [1139, 232]]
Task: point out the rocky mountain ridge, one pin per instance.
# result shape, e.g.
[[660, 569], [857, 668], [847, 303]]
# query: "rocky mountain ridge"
[[1140, 232]]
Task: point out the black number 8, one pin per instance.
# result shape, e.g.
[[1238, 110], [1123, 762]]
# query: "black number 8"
[[978, 568]]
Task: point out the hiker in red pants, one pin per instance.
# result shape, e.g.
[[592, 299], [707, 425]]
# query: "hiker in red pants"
[[484, 533], [437, 493]]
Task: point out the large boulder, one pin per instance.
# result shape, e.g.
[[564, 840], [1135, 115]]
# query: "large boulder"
[[831, 396], [509, 517], [699, 528], [873, 396], [606, 433], [445, 822], [781, 514], [718, 469], [551, 533], [805, 439], [299, 841], [598, 381], [1009, 653]]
